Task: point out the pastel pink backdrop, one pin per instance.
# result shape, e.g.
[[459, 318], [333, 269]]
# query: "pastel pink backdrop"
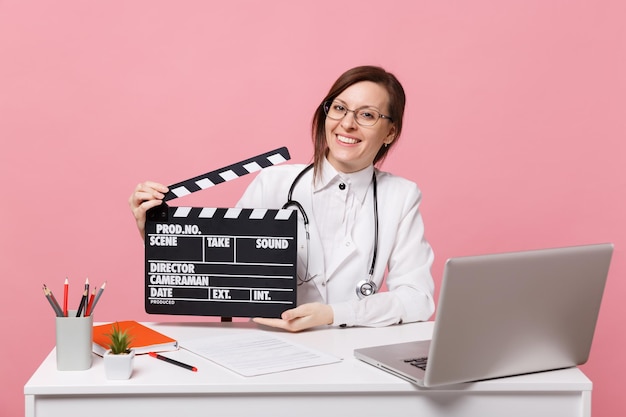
[[515, 130]]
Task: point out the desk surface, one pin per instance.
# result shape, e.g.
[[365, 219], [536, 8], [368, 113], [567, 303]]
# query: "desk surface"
[[349, 377]]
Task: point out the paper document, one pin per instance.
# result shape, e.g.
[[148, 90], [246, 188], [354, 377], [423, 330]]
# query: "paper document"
[[256, 353]]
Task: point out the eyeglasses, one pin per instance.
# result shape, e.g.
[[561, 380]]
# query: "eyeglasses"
[[364, 116]]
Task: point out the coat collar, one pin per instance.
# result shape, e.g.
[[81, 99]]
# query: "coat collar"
[[358, 182]]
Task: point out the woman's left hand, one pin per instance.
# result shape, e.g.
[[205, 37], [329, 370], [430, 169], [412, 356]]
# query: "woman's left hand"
[[301, 318]]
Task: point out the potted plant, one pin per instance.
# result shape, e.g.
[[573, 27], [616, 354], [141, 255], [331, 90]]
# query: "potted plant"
[[118, 360]]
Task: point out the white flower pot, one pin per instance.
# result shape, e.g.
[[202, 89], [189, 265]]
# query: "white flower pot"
[[118, 366]]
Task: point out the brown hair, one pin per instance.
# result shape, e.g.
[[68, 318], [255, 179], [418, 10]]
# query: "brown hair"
[[378, 75]]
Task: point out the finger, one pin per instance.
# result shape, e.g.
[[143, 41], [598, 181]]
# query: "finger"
[[151, 188], [138, 197], [156, 186], [291, 326], [278, 323], [139, 213], [148, 204], [144, 192], [303, 310], [139, 207]]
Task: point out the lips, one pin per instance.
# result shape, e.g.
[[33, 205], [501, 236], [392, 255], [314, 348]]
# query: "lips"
[[347, 140]]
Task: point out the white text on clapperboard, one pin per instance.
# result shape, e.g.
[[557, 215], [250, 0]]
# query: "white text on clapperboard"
[[166, 276]]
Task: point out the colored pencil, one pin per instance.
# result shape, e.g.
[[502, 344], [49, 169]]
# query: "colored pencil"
[[86, 289], [52, 301], [66, 288], [90, 303], [93, 307], [83, 299]]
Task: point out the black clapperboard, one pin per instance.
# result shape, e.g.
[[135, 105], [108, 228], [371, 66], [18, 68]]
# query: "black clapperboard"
[[225, 262]]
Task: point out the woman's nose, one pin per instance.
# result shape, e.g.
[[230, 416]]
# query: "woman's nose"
[[349, 121]]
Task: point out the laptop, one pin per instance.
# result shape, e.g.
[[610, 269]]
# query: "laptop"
[[505, 314]]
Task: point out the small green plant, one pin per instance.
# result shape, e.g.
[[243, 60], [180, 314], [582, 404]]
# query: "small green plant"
[[120, 340]]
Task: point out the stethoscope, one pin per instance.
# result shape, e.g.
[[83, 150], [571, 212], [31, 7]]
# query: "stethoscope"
[[365, 287]]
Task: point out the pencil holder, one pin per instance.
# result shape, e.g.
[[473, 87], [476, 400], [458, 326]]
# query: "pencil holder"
[[74, 337]]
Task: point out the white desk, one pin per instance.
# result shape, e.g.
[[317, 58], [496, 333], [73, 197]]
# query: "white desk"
[[349, 388]]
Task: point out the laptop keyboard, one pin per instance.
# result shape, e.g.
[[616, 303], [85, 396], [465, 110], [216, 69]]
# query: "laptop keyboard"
[[418, 362]]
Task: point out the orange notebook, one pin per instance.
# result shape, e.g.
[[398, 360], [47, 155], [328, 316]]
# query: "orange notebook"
[[144, 339]]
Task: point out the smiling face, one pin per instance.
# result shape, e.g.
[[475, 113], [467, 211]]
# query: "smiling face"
[[352, 147]]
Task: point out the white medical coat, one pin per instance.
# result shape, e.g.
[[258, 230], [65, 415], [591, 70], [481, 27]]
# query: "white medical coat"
[[402, 252]]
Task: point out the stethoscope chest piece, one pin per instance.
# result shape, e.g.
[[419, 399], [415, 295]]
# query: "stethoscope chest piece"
[[366, 288]]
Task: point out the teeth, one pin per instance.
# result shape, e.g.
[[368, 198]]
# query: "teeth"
[[347, 140]]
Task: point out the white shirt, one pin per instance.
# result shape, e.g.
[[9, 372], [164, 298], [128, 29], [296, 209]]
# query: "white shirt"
[[339, 252]]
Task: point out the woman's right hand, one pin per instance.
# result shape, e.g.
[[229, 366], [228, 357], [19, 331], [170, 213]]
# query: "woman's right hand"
[[145, 196]]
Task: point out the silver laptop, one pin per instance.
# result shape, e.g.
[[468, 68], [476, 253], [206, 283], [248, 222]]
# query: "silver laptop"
[[506, 314]]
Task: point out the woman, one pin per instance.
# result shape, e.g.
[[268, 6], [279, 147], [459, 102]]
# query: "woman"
[[360, 221]]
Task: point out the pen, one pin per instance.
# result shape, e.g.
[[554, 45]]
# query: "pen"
[[93, 307], [173, 362], [66, 287], [52, 301]]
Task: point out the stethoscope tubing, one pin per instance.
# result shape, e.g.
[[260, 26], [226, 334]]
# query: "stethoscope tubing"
[[366, 287]]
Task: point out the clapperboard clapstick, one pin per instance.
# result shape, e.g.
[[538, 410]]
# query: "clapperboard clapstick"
[[234, 262]]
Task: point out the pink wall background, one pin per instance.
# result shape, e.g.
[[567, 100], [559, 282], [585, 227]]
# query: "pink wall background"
[[515, 131]]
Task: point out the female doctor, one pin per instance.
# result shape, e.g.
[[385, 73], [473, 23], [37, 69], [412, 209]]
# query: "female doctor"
[[355, 221]]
